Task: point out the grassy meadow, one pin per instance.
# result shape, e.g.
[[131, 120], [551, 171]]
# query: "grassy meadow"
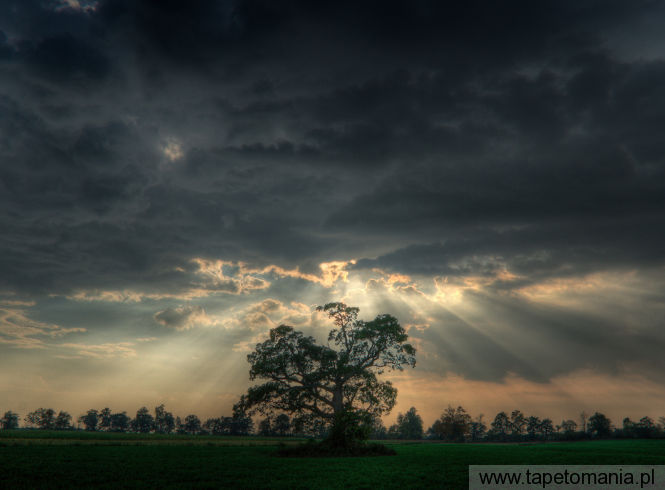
[[41, 459]]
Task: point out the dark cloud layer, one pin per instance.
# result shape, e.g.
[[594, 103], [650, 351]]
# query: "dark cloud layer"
[[430, 138]]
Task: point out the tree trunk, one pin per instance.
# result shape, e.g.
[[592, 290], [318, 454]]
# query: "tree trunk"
[[348, 427], [338, 400]]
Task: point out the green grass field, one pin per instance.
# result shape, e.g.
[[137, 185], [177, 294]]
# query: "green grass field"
[[38, 459]]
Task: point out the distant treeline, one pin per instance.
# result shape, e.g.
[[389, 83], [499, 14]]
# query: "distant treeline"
[[162, 422], [454, 425]]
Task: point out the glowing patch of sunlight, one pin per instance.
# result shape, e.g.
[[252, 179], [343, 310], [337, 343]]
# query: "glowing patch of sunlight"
[[173, 150], [331, 272], [102, 351], [200, 371], [447, 293], [450, 291], [560, 289]]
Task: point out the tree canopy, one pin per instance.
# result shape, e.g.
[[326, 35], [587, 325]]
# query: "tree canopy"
[[336, 383]]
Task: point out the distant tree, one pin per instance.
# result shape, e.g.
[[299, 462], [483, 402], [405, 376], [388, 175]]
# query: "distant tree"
[[90, 420], [32, 419], [517, 423], [646, 428], [214, 426], [43, 418], [500, 426], [105, 419], [410, 424], [120, 422], [568, 426], [9, 421], [453, 425], [63, 421], [192, 424], [282, 425], [599, 425], [337, 383], [546, 428], [477, 429], [238, 425], [533, 426], [229, 426], [164, 421], [144, 422], [265, 427], [628, 428]]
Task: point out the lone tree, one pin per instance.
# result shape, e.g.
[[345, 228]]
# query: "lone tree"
[[336, 384]]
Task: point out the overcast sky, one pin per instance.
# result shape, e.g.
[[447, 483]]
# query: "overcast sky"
[[176, 178]]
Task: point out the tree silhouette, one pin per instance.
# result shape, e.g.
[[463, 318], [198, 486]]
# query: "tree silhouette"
[[282, 425], [646, 428], [628, 428], [533, 425], [265, 427], [568, 426], [477, 428], [599, 425], [410, 425], [90, 420], [44, 418], [546, 428], [144, 422], [192, 424], [120, 422], [214, 426], [335, 384], [500, 425], [63, 421], [105, 418], [164, 421], [453, 425], [9, 421], [517, 423]]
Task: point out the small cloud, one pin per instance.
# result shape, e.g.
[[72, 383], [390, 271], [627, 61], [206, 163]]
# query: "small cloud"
[[183, 317], [267, 314], [146, 339]]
